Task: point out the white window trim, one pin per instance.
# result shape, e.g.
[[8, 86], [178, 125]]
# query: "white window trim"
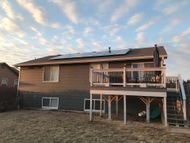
[[43, 72], [93, 108], [48, 107]]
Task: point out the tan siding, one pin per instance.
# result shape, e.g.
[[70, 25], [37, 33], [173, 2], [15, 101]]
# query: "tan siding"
[[127, 63], [72, 77]]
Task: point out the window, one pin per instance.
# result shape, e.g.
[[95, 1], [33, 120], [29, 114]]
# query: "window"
[[137, 75], [51, 74], [100, 77], [95, 105], [15, 82], [4, 82], [50, 102]]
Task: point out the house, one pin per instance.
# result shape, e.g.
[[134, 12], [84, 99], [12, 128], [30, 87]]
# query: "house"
[[126, 81], [8, 86], [8, 75]]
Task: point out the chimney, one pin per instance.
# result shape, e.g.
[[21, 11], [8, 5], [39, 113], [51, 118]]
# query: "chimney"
[[109, 49], [156, 46]]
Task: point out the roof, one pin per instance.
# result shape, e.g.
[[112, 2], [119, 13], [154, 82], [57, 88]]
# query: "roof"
[[92, 54], [114, 55], [14, 70]]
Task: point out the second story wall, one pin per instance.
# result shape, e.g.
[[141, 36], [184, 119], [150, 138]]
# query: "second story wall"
[[71, 77], [147, 63]]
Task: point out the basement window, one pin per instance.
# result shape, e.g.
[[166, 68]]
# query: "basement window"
[[51, 74], [95, 105], [50, 103]]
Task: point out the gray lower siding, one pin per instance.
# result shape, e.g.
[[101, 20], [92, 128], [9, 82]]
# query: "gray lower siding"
[[68, 100], [74, 100]]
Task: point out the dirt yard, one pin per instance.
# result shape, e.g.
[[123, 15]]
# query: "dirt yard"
[[59, 127]]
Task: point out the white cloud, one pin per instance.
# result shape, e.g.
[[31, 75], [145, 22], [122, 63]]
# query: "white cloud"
[[7, 8], [123, 9], [43, 41], [21, 41], [112, 29], [14, 50], [71, 50], [144, 26], [36, 31], [80, 43], [96, 46], [68, 30], [120, 42], [88, 30], [170, 9], [171, 25], [181, 36], [34, 9], [178, 56], [103, 6], [40, 37], [69, 9], [10, 27], [140, 39], [135, 18], [56, 25]]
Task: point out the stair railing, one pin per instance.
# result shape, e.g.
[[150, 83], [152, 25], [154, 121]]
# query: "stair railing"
[[175, 83], [183, 95]]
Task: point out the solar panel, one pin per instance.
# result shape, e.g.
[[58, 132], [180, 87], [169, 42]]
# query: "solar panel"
[[91, 54]]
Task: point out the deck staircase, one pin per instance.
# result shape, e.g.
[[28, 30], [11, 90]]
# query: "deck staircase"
[[175, 117], [175, 104]]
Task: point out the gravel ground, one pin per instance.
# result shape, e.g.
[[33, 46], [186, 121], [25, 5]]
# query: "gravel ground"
[[28, 126]]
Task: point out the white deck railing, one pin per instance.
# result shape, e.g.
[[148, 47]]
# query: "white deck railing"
[[142, 77], [172, 83]]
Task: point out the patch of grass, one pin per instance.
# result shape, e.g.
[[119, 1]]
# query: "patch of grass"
[[62, 127]]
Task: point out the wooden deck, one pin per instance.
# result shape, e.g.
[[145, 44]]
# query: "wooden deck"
[[130, 91]]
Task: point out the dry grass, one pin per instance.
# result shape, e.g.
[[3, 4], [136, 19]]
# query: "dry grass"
[[48, 126]]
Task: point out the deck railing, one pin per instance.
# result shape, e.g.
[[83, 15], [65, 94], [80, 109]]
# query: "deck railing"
[[172, 83], [142, 77]]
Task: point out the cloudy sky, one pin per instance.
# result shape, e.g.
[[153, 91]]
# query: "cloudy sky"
[[34, 28]]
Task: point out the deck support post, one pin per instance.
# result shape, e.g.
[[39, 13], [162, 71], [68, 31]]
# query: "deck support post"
[[91, 76], [124, 76], [100, 105], [147, 101], [165, 111], [148, 110], [184, 110], [117, 100], [91, 107], [124, 110], [109, 107]]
